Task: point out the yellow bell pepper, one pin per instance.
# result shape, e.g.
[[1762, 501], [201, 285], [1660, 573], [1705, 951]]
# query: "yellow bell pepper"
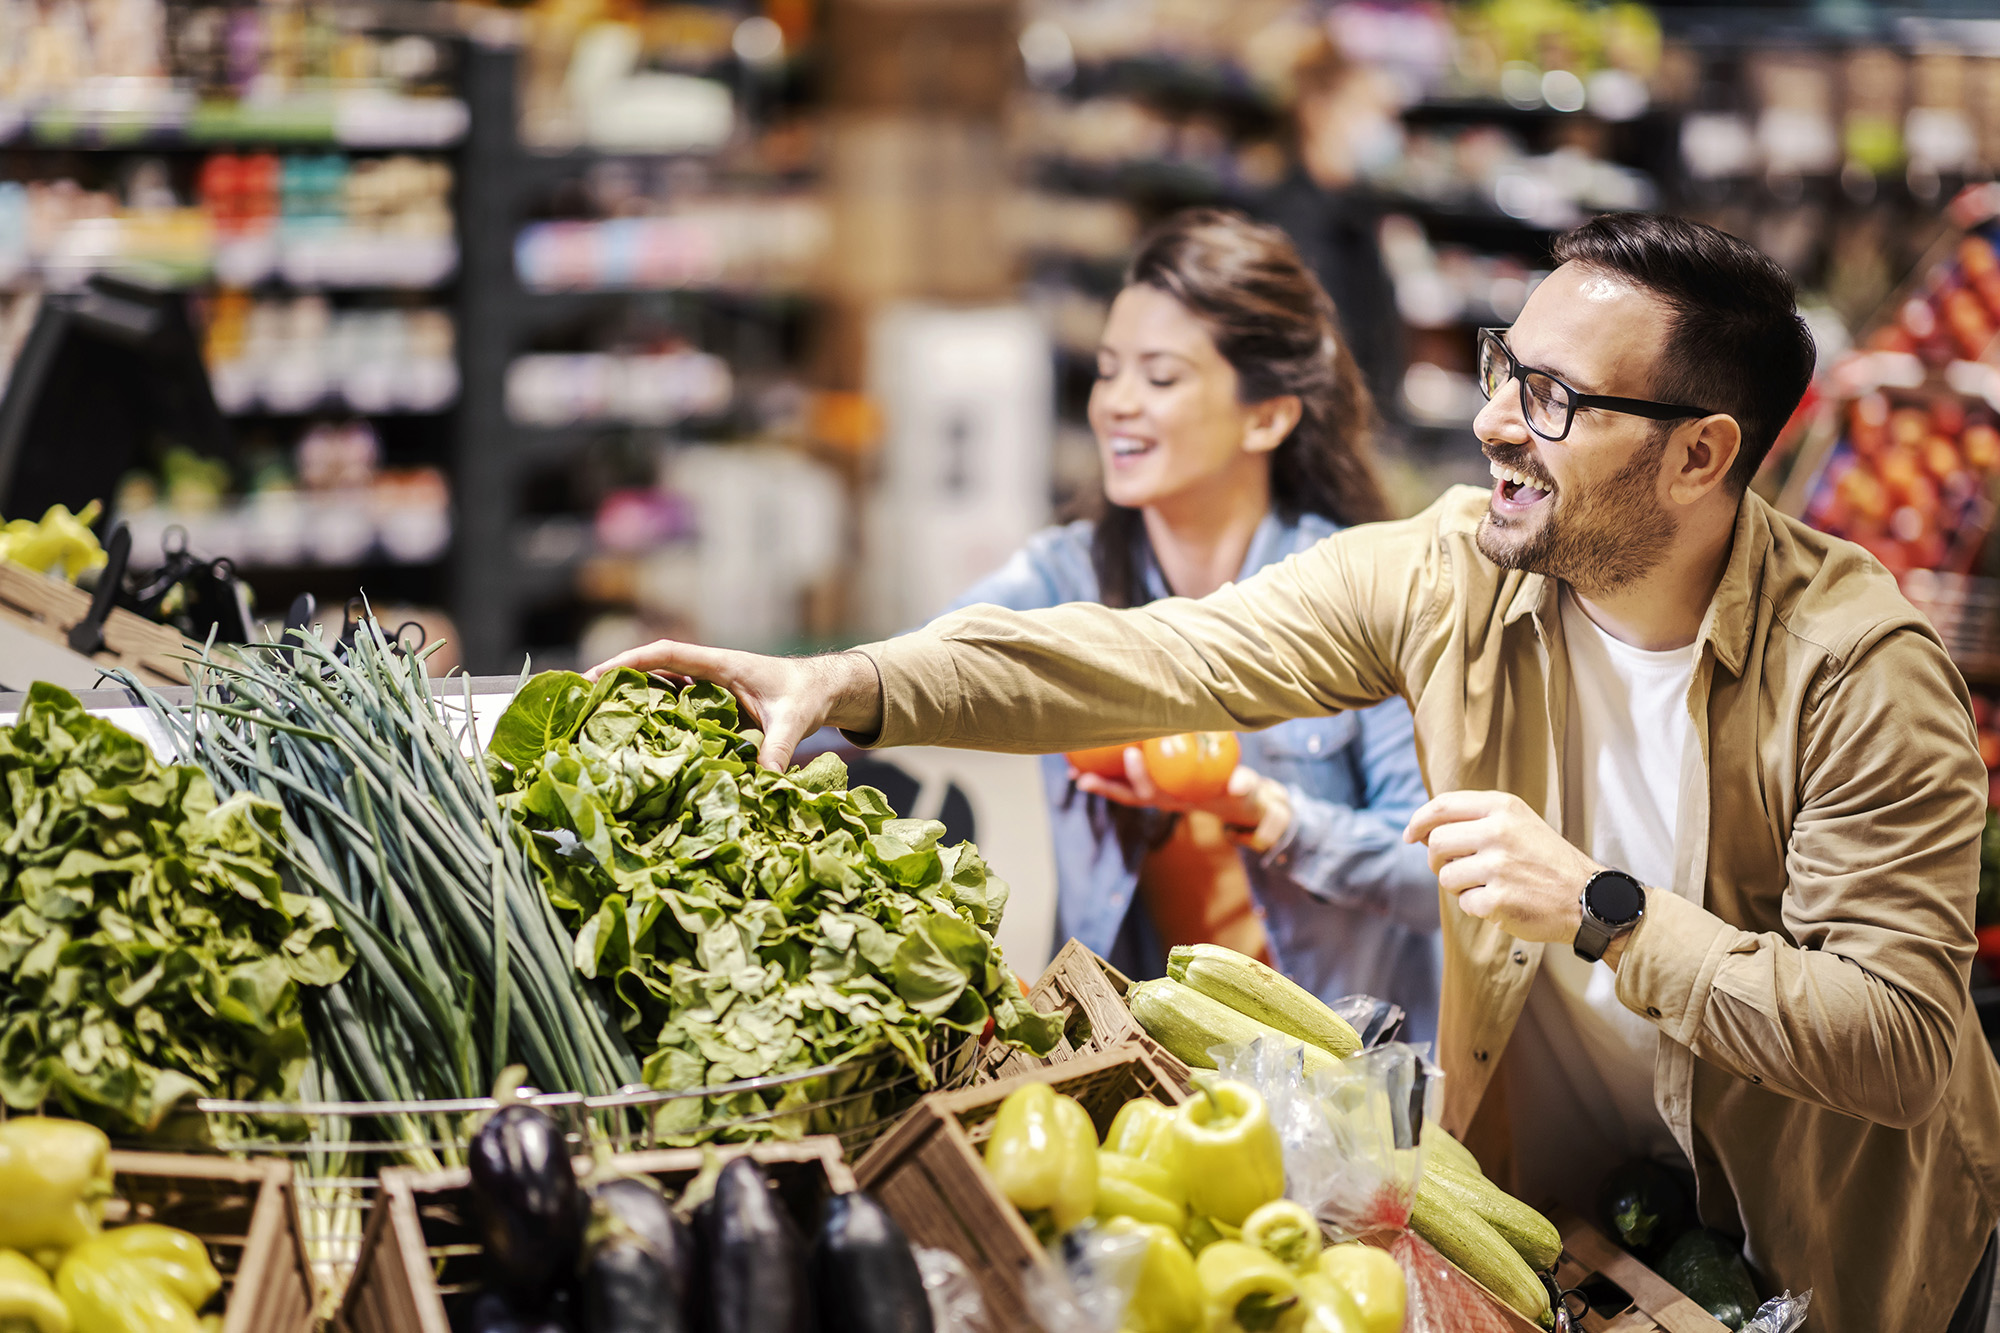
[[1144, 1128], [1244, 1288], [54, 1178], [1230, 1157], [137, 1279], [1129, 1187], [1324, 1308], [28, 1301], [1287, 1232], [1167, 1297], [1043, 1156], [1373, 1280]]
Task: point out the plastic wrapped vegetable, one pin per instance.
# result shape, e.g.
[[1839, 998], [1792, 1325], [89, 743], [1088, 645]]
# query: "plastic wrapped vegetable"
[[1372, 1280], [1784, 1313], [1230, 1156], [1043, 1156], [137, 1279], [1167, 1296], [54, 1178]]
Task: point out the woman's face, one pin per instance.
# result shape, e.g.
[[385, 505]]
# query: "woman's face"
[[1165, 408]]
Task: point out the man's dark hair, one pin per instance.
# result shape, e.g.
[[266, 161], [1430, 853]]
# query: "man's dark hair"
[[1735, 342]]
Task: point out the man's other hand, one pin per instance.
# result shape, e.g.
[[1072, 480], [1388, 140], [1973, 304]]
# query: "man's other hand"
[[1504, 863]]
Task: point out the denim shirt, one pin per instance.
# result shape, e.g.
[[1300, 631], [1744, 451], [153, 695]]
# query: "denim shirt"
[[1348, 907]]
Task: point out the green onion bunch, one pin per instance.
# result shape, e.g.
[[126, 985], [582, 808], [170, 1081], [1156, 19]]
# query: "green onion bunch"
[[462, 966]]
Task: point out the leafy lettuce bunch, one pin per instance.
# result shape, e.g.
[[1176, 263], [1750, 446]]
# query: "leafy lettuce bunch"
[[746, 923], [149, 951]]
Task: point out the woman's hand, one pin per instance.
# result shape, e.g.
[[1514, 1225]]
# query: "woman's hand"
[[1255, 810]]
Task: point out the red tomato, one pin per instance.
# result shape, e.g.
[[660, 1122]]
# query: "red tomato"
[[1107, 761], [1989, 749], [1989, 942], [1193, 766]]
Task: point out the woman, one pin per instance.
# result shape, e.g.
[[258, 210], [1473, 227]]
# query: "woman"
[[1233, 428]]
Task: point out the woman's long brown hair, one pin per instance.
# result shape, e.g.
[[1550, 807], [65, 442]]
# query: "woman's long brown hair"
[[1274, 323]]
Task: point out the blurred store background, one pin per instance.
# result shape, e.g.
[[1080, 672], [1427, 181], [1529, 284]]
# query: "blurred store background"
[[559, 327]]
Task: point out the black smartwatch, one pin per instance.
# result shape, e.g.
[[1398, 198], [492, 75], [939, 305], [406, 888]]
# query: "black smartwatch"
[[1613, 902]]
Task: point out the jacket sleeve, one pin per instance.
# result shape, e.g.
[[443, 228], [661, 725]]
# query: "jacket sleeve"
[[1856, 1004], [1320, 631], [1354, 856]]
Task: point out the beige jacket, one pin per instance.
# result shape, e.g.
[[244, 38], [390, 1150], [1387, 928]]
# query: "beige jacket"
[[1825, 1071]]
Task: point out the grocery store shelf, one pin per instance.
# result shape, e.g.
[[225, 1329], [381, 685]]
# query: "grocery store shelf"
[[361, 120]]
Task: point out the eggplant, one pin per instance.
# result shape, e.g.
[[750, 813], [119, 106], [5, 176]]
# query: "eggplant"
[[492, 1312], [526, 1205], [755, 1257], [627, 1289], [865, 1279], [636, 1205]]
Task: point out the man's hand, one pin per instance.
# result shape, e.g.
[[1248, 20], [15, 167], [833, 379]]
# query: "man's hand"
[[790, 697], [1505, 863], [1256, 810]]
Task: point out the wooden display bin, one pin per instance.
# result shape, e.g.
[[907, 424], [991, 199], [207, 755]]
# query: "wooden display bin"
[[1090, 994], [420, 1243], [1593, 1264], [244, 1212], [927, 1171]]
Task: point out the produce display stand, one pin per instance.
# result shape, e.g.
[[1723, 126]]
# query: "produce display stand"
[[855, 1103], [246, 1214], [47, 609], [1090, 994], [927, 1171], [420, 1244]]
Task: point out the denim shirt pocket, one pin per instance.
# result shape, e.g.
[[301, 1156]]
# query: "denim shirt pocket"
[[1300, 754]]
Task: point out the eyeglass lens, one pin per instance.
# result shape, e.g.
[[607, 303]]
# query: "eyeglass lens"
[[1545, 402]]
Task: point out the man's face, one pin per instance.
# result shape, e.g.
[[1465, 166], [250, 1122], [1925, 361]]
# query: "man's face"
[[1590, 509]]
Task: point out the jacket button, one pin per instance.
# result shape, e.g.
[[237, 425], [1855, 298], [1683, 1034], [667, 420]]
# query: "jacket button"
[[1479, 1055], [1520, 956], [1651, 1012]]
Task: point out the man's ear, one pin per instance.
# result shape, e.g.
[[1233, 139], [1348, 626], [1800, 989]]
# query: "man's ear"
[[1270, 422], [1704, 455]]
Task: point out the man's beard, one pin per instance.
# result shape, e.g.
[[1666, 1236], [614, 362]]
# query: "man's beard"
[[1604, 538]]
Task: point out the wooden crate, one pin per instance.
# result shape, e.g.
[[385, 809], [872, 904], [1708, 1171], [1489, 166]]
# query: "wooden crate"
[[245, 1213], [927, 1170], [1593, 1263], [420, 1243], [49, 609], [1090, 994]]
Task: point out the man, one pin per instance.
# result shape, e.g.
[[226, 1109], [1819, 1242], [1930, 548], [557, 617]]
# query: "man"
[[1707, 804]]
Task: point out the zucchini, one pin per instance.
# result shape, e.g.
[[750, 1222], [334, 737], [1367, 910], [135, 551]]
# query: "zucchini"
[[1439, 1145], [1263, 993], [1707, 1267], [1533, 1236], [1468, 1240], [1187, 1023]]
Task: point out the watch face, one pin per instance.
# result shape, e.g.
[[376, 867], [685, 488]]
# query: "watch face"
[[1615, 898]]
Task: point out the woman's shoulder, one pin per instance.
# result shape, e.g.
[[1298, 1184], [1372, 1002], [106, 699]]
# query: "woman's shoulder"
[[1053, 566]]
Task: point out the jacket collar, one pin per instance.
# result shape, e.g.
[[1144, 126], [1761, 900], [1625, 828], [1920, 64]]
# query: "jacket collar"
[[1727, 624]]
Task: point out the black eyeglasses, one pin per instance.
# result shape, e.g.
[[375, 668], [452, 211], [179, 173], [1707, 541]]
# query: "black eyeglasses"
[[1549, 405]]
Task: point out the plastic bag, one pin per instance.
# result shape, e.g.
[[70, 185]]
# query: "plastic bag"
[[1353, 1147], [956, 1305], [1088, 1282], [1375, 1021], [1780, 1314]]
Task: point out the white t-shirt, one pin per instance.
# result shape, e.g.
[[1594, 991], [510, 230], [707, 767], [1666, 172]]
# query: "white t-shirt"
[[1580, 1070]]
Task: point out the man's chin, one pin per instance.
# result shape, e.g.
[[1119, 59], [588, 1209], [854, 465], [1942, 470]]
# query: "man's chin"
[[1507, 542]]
